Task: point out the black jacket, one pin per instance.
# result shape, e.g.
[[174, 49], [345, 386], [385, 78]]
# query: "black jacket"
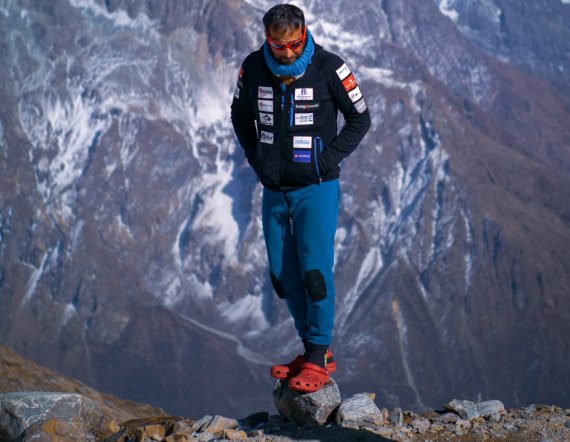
[[290, 138]]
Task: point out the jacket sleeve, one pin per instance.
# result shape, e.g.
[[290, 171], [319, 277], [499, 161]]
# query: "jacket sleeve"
[[348, 98], [243, 117]]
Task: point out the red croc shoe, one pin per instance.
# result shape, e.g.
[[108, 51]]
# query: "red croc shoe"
[[311, 378], [287, 370], [292, 368]]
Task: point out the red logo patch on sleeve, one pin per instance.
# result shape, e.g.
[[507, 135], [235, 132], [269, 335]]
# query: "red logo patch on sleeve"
[[349, 82], [240, 72]]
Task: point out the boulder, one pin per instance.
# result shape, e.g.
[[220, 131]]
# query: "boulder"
[[488, 408], [307, 409], [358, 411], [397, 417], [220, 423], [465, 409], [18, 411]]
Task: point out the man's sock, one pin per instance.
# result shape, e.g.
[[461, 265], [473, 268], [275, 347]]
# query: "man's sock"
[[316, 354]]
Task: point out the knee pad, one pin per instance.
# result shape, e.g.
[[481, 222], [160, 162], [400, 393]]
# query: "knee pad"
[[277, 286], [315, 284]]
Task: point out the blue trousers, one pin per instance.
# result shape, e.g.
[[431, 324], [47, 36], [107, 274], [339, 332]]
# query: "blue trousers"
[[299, 228]]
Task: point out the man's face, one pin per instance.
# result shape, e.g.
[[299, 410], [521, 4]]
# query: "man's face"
[[285, 35]]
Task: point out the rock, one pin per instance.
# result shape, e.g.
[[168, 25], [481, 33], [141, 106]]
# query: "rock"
[[230, 434], [430, 414], [256, 433], [385, 414], [178, 437], [18, 411], [358, 411], [396, 417], [495, 418], [449, 418], [219, 423], [465, 409], [421, 425], [181, 427], [383, 431], [201, 423], [489, 408], [371, 396], [253, 420], [57, 430], [205, 436], [153, 432], [437, 427], [309, 409], [567, 424]]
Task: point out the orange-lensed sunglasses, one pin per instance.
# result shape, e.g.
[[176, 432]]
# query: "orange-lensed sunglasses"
[[293, 45]]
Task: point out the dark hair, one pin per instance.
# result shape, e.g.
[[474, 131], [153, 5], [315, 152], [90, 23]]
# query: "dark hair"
[[284, 16]]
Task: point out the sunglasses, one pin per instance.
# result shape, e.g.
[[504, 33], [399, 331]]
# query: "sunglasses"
[[293, 45]]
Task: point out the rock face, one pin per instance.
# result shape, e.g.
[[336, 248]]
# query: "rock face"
[[307, 409], [19, 411]]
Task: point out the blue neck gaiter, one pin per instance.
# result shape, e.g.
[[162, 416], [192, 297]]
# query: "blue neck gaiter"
[[294, 69]]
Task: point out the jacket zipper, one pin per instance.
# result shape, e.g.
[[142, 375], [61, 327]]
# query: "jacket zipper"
[[319, 141], [291, 111]]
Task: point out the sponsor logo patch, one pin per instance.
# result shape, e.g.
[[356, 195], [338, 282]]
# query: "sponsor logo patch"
[[303, 119], [265, 105], [266, 119], [302, 142], [305, 93], [355, 94], [301, 156], [360, 106], [264, 92], [307, 106], [240, 73], [349, 83], [236, 92], [266, 137], [343, 71]]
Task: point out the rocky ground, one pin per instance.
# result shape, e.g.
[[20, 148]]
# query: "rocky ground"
[[68, 411]]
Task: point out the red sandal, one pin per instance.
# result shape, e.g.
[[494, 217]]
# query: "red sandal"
[[292, 368], [311, 378]]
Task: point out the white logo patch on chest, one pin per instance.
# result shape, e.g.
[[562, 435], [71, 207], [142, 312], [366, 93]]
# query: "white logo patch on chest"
[[302, 142], [265, 92], [303, 119], [265, 105], [305, 93]]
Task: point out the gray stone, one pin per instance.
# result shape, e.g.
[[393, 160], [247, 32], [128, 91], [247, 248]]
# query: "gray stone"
[[567, 424], [201, 423], [205, 436], [18, 411], [220, 423], [253, 420], [465, 409], [420, 425], [530, 409], [495, 418], [447, 418], [358, 411], [307, 409], [489, 408], [396, 417]]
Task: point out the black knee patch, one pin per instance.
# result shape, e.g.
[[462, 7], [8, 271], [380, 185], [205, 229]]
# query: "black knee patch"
[[316, 286], [277, 286]]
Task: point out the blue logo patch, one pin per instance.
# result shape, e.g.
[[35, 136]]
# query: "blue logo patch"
[[301, 156]]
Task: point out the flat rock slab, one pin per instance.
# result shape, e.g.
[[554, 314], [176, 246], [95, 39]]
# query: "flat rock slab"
[[307, 409], [358, 411], [18, 411]]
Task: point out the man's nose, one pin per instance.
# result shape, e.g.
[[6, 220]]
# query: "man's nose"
[[289, 53]]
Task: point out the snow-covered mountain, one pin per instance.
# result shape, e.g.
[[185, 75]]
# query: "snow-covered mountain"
[[131, 250]]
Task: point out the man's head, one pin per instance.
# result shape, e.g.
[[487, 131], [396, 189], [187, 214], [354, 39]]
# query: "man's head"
[[285, 32]]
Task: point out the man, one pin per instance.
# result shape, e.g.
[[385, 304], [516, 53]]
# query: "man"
[[284, 114]]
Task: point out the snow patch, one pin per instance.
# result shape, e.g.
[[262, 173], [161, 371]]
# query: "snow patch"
[[69, 312], [385, 77], [447, 8], [247, 308], [34, 279]]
